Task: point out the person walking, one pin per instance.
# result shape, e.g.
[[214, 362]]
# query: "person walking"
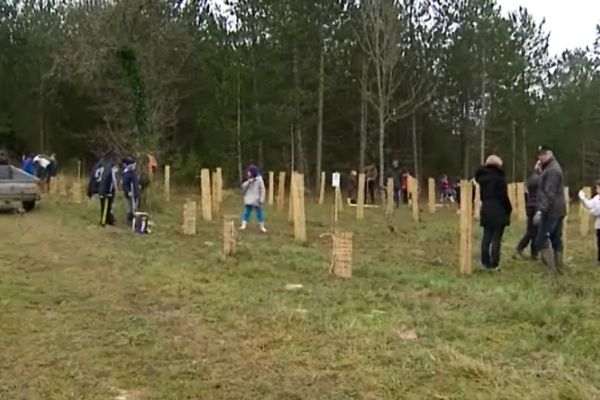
[[528, 238], [254, 198], [551, 211], [395, 173], [103, 184], [131, 188], [495, 210]]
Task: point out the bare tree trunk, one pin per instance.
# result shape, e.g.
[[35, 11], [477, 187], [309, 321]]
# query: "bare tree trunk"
[[483, 111], [381, 145], [525, 161], [320, 118], [299, 142], [363, 115], [239, 130], [292, 150], [415, 146], [514, 151], [42, 121]]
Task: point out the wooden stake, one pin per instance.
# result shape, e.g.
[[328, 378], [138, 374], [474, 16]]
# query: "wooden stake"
[[271, 187], [337, 204], [322, 191], [188, 227], [76, 192], [565, 237], [414, 186], [477, 205], [292, 199], [521, 203], [167, 183], [584, 214], [432, 196], [341, 255], [229, 237], [360, 203], [466, 229], [220, 185], [62, 186], [390, 204], [299, 216], [215, 194], [281, 192], [206, 195]]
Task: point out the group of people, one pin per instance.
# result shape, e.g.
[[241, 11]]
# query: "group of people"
[[398, 175], [545, 207]]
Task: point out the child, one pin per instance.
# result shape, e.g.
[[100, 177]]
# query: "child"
[[254, 197], [594, 206], [131, 188]]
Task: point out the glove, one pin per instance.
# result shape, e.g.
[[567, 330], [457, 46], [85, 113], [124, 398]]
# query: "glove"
[[582, 195], [537, 218]]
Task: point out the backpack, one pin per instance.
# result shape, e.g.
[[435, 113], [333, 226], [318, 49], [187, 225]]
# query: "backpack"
[[140, 223]]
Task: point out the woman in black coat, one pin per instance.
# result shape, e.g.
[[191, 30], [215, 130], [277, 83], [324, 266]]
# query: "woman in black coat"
[[495, 210]]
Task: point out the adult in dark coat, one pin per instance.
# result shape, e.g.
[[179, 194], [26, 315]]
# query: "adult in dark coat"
[[103, 183], [495, 210], [551, 210], [528, 239], [395, 172]]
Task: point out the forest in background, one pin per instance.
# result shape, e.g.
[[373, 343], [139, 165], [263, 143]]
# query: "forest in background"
[[309, 85]]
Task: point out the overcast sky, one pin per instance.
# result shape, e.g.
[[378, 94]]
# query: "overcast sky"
[[572, 23]]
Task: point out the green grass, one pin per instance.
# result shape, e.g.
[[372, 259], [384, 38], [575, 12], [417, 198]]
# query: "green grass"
[[91, 313]]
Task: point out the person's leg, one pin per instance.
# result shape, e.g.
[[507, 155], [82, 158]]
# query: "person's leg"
[[533, 233], [497, 235], [598, 244], [110, 220], [485, 248], [527, 238], [130, 209], [542, 243], [397, 197], [556, 238], [260, 216], [246, 216]]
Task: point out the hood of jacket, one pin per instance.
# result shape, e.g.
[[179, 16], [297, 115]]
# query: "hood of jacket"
[[488, 172]]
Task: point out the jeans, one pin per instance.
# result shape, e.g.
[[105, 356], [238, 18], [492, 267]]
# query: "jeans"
[[260, 214], [550, 232], [397, 197], [106, 216], [598, 242], [491, 245], [529, 238]]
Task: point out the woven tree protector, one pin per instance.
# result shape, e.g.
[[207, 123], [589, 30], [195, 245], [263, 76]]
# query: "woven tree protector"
[[189, 218], [341, 255], [465, 266], [390, 203], [229, 237]]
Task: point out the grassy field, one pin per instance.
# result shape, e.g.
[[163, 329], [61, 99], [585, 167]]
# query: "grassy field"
[[91, 313]]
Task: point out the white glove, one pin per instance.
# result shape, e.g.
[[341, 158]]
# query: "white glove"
[[582, 195], [537, 218]]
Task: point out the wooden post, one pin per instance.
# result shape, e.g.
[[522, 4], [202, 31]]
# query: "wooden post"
[[206, 197], [62, 186], [299, 216], [565, 237], [167, 183], [292, 199], [229, 237], [220, 185], [281, 192], [584, 214], [432, 196], [477, 205], [360, 203], [322, 191], [79, 168], [271, 187], [512, 196], [390, 203], [521, 203], [341, 255], [337, 203], [414, 186], [216, 206], [466, 229], [188, 226]]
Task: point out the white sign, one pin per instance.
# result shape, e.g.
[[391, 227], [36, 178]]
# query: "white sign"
[[335, 180]]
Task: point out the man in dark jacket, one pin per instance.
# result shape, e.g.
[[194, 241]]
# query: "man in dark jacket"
[[551, 210], [131, 187], [395, 173], [103, 184], [495, 210], [531, 208]]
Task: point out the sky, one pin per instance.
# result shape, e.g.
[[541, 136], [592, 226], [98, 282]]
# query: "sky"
[[571, 23]]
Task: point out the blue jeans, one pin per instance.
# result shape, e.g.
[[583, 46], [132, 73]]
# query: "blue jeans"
[[260, 214], [550, 232]]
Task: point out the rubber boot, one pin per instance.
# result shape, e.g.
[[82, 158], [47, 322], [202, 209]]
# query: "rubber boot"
[[243, 226], [559, 262], [548, 260]]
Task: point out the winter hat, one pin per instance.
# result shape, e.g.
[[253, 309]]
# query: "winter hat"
[[128, 161], [252, 170], [494, 161]]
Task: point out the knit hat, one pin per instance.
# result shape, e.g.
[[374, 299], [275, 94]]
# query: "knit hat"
[[252, 170]]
